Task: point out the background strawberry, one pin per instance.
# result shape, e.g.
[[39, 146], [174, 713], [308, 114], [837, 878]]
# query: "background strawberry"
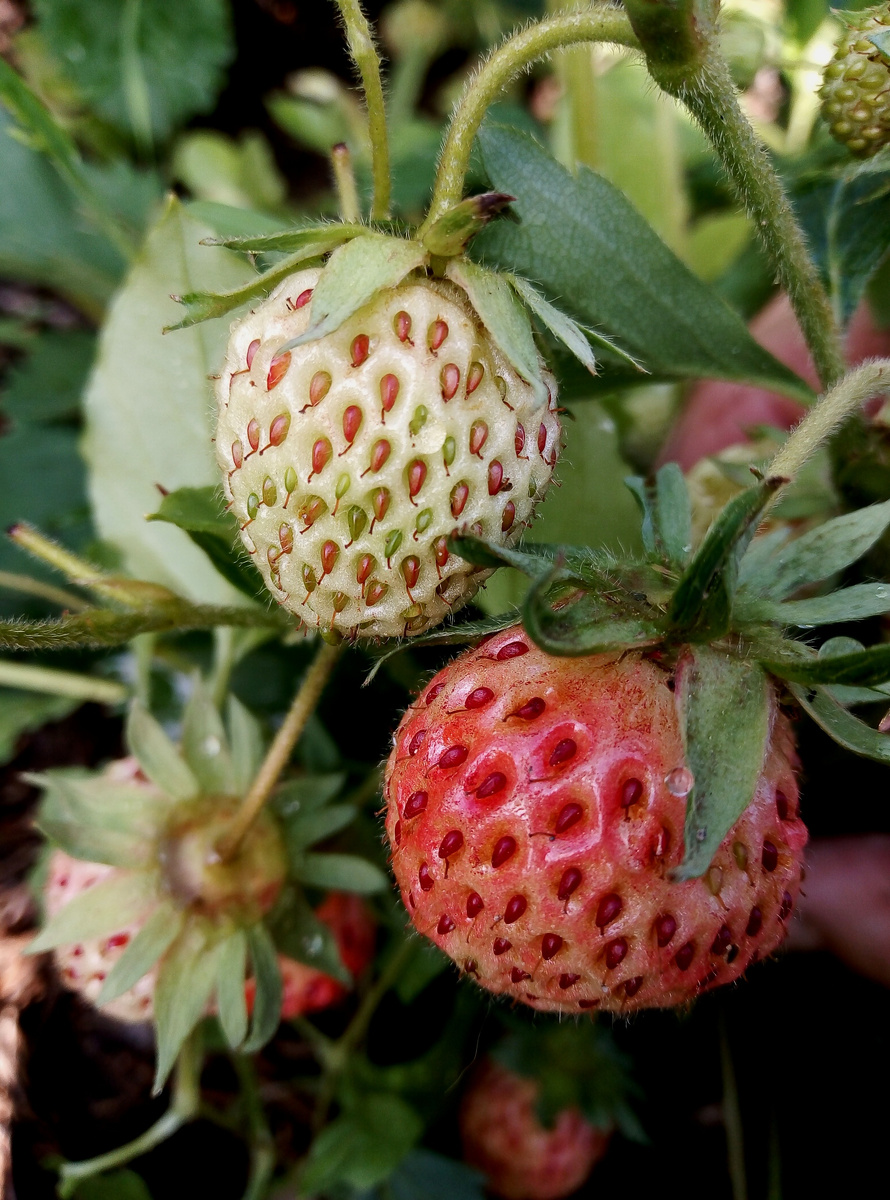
[[535, 813], [522, 1158], [349, 459]]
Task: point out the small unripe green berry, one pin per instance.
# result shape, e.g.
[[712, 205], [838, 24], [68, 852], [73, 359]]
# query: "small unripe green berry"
[[856, 85]]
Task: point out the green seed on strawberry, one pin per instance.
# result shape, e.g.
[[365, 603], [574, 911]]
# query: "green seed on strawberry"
[[535, 814], [350, 459]]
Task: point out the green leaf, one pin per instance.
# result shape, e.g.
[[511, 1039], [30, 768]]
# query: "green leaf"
[[343, 872], [580, 238], [861, 668], [148, 399], [426, 963], [172, 57], [100, 820], [267, 1001], [307, 793], [185, 984], [290, 241], [246, 738], [572, 335], [505, 318], [853, 603], [205, 745], [847, 730], [424, 1175], [158, 757], [46, 384], [847, 221], [201, 512], [819, 553], [103, 909], [299, 934], [881, 42], [725, 714], [354, 274], [363, 1146], [230, 998], [152, 941], [701, 604]]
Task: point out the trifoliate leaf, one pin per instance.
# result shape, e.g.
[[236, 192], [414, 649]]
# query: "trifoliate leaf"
[[723, 702], [230, 998], [158, 757], [583, 622], [205, 745], [246, 737], [817, 554], [267, 999], [505, 318], [102, 909], [342, 872], [152, 941], [184, 986], [354, 274]]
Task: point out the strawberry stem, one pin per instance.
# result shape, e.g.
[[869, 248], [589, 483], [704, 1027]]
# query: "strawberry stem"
[[596, 24], [830, 411], [344, 180], [52, 682], [279, 752], [364, 55]]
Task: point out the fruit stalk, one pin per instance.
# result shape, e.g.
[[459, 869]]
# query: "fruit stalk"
[[364, 54], [51, 682], [344, 179], [597, 24], [835, 407], [279, 752]]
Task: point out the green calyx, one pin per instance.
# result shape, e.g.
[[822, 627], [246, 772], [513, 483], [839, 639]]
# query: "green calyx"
[[362, 262], [204, 924]]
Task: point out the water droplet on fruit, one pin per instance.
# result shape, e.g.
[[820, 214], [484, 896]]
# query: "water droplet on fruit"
[[679, 782]]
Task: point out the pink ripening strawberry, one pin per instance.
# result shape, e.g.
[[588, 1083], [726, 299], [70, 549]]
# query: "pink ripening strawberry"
[[536, 817], [521, 1158]]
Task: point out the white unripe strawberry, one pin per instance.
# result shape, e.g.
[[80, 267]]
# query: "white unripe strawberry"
[[349, 460]]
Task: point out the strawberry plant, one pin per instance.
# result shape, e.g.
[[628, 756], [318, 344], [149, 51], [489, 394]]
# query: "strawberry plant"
[[391, 371]]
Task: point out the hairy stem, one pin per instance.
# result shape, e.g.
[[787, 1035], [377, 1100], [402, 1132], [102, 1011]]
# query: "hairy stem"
[[11, 581], [364, 54], [597, 24], [710, 95], [868, 380], [344, 181], [279, 752]]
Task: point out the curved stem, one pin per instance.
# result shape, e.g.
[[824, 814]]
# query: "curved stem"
[[832, 410], [279, 752], [710, 95], [597, 24], [364, 54], [30, 677]]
